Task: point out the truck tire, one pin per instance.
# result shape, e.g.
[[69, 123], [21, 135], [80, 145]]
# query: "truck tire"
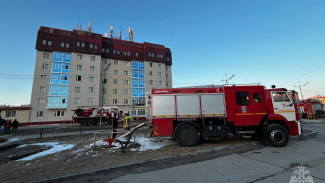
[[187, 135], [277, 135], [109, 121], [79, 112], [92, 122], [83, 122]]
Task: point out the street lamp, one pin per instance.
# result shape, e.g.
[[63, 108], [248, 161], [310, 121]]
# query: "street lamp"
[[302, 97], [102, 97], [227, 79]]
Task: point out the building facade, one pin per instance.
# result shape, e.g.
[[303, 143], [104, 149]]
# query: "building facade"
[[70, 73], [20, 113]]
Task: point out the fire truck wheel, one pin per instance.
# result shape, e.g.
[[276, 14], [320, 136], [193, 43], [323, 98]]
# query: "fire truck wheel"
[[187, 135], [83, 122], [109, 121], [91, 122], [277, 135]]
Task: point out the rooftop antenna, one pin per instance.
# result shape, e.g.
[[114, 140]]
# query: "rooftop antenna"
[[90, 28], [131, 34], [120, 35], [111, 32], [227, 79], [78, 26]]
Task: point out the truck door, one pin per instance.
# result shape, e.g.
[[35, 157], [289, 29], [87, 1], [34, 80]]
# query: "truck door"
[[283, 105], [259, 105], [245, 106]]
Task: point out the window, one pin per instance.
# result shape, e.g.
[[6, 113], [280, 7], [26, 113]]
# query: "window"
[[115, 81], [43, 77], [167, 84], [159, 66], [118, 52], [136, 54], [150, 73], [167, 59], [91, 78], [95, 46], [126, 91], [10, 114], [77, 101], [39, 114], [126, 82], [107, 50], [104, 101], [134, 112], [45, 66], [90, 100], [103, 50], [67, 45], [91, 90], [149, 54], [104, 61], [126, 101], [257, 97], [90, 45], [79, 57], [242, 98], [159, 74], [92, 68], [78, 43], [160, 83], [92, 58], [141, 112], [115, 72], [124, 53], [62, 44], [166, 68], [115, 62], [126, 64], [44, 42], [115, 101], [58, 113], [280, 97], [49, 43], [79, 67], [42, 90], [128, 53], [114, 91], [40, 101], [77, 89], [126, 73], [104, 90], [83, 45], [166, 76], [150, 82], [153, 54], [78, 78], [66, 66], [114, 51]]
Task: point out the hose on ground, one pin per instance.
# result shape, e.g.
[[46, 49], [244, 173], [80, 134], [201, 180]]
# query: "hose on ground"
[[149, 132]]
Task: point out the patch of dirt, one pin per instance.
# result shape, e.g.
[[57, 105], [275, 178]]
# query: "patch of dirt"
[[80, 159]]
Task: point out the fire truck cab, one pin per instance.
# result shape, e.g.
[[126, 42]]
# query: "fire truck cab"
[[189, 114]]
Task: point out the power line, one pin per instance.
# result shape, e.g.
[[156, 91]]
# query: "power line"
[[309, 72]]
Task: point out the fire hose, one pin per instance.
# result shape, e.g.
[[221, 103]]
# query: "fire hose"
[[149, 131]]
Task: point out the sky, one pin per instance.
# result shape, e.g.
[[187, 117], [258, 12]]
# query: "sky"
[[271, 42]]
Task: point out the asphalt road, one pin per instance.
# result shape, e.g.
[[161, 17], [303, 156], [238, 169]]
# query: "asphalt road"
[[268, 164]]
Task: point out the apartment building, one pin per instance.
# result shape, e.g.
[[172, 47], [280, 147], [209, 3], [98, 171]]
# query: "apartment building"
[[80, 68]]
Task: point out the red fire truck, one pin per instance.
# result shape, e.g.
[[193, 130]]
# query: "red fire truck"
[[312, 106], [189, 114], [91, 115]]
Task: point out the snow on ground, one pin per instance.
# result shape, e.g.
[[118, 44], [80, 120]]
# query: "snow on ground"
[[56, 147], [308, 121], [152, 143], [13, 139]]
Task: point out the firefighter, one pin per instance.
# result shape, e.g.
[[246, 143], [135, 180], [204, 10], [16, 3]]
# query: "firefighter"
[[126, 121], [115, 124]]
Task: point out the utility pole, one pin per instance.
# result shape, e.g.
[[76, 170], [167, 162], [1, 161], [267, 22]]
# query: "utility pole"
[[226, 80], [102, 97], [302, 97]]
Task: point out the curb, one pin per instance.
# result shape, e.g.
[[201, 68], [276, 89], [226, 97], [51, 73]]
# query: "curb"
[[140, 163], [305, 136]]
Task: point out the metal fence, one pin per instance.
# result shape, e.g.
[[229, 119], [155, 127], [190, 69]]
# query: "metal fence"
[[57, 131]]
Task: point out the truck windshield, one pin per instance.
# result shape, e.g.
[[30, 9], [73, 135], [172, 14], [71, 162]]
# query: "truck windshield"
[[280, 97]]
